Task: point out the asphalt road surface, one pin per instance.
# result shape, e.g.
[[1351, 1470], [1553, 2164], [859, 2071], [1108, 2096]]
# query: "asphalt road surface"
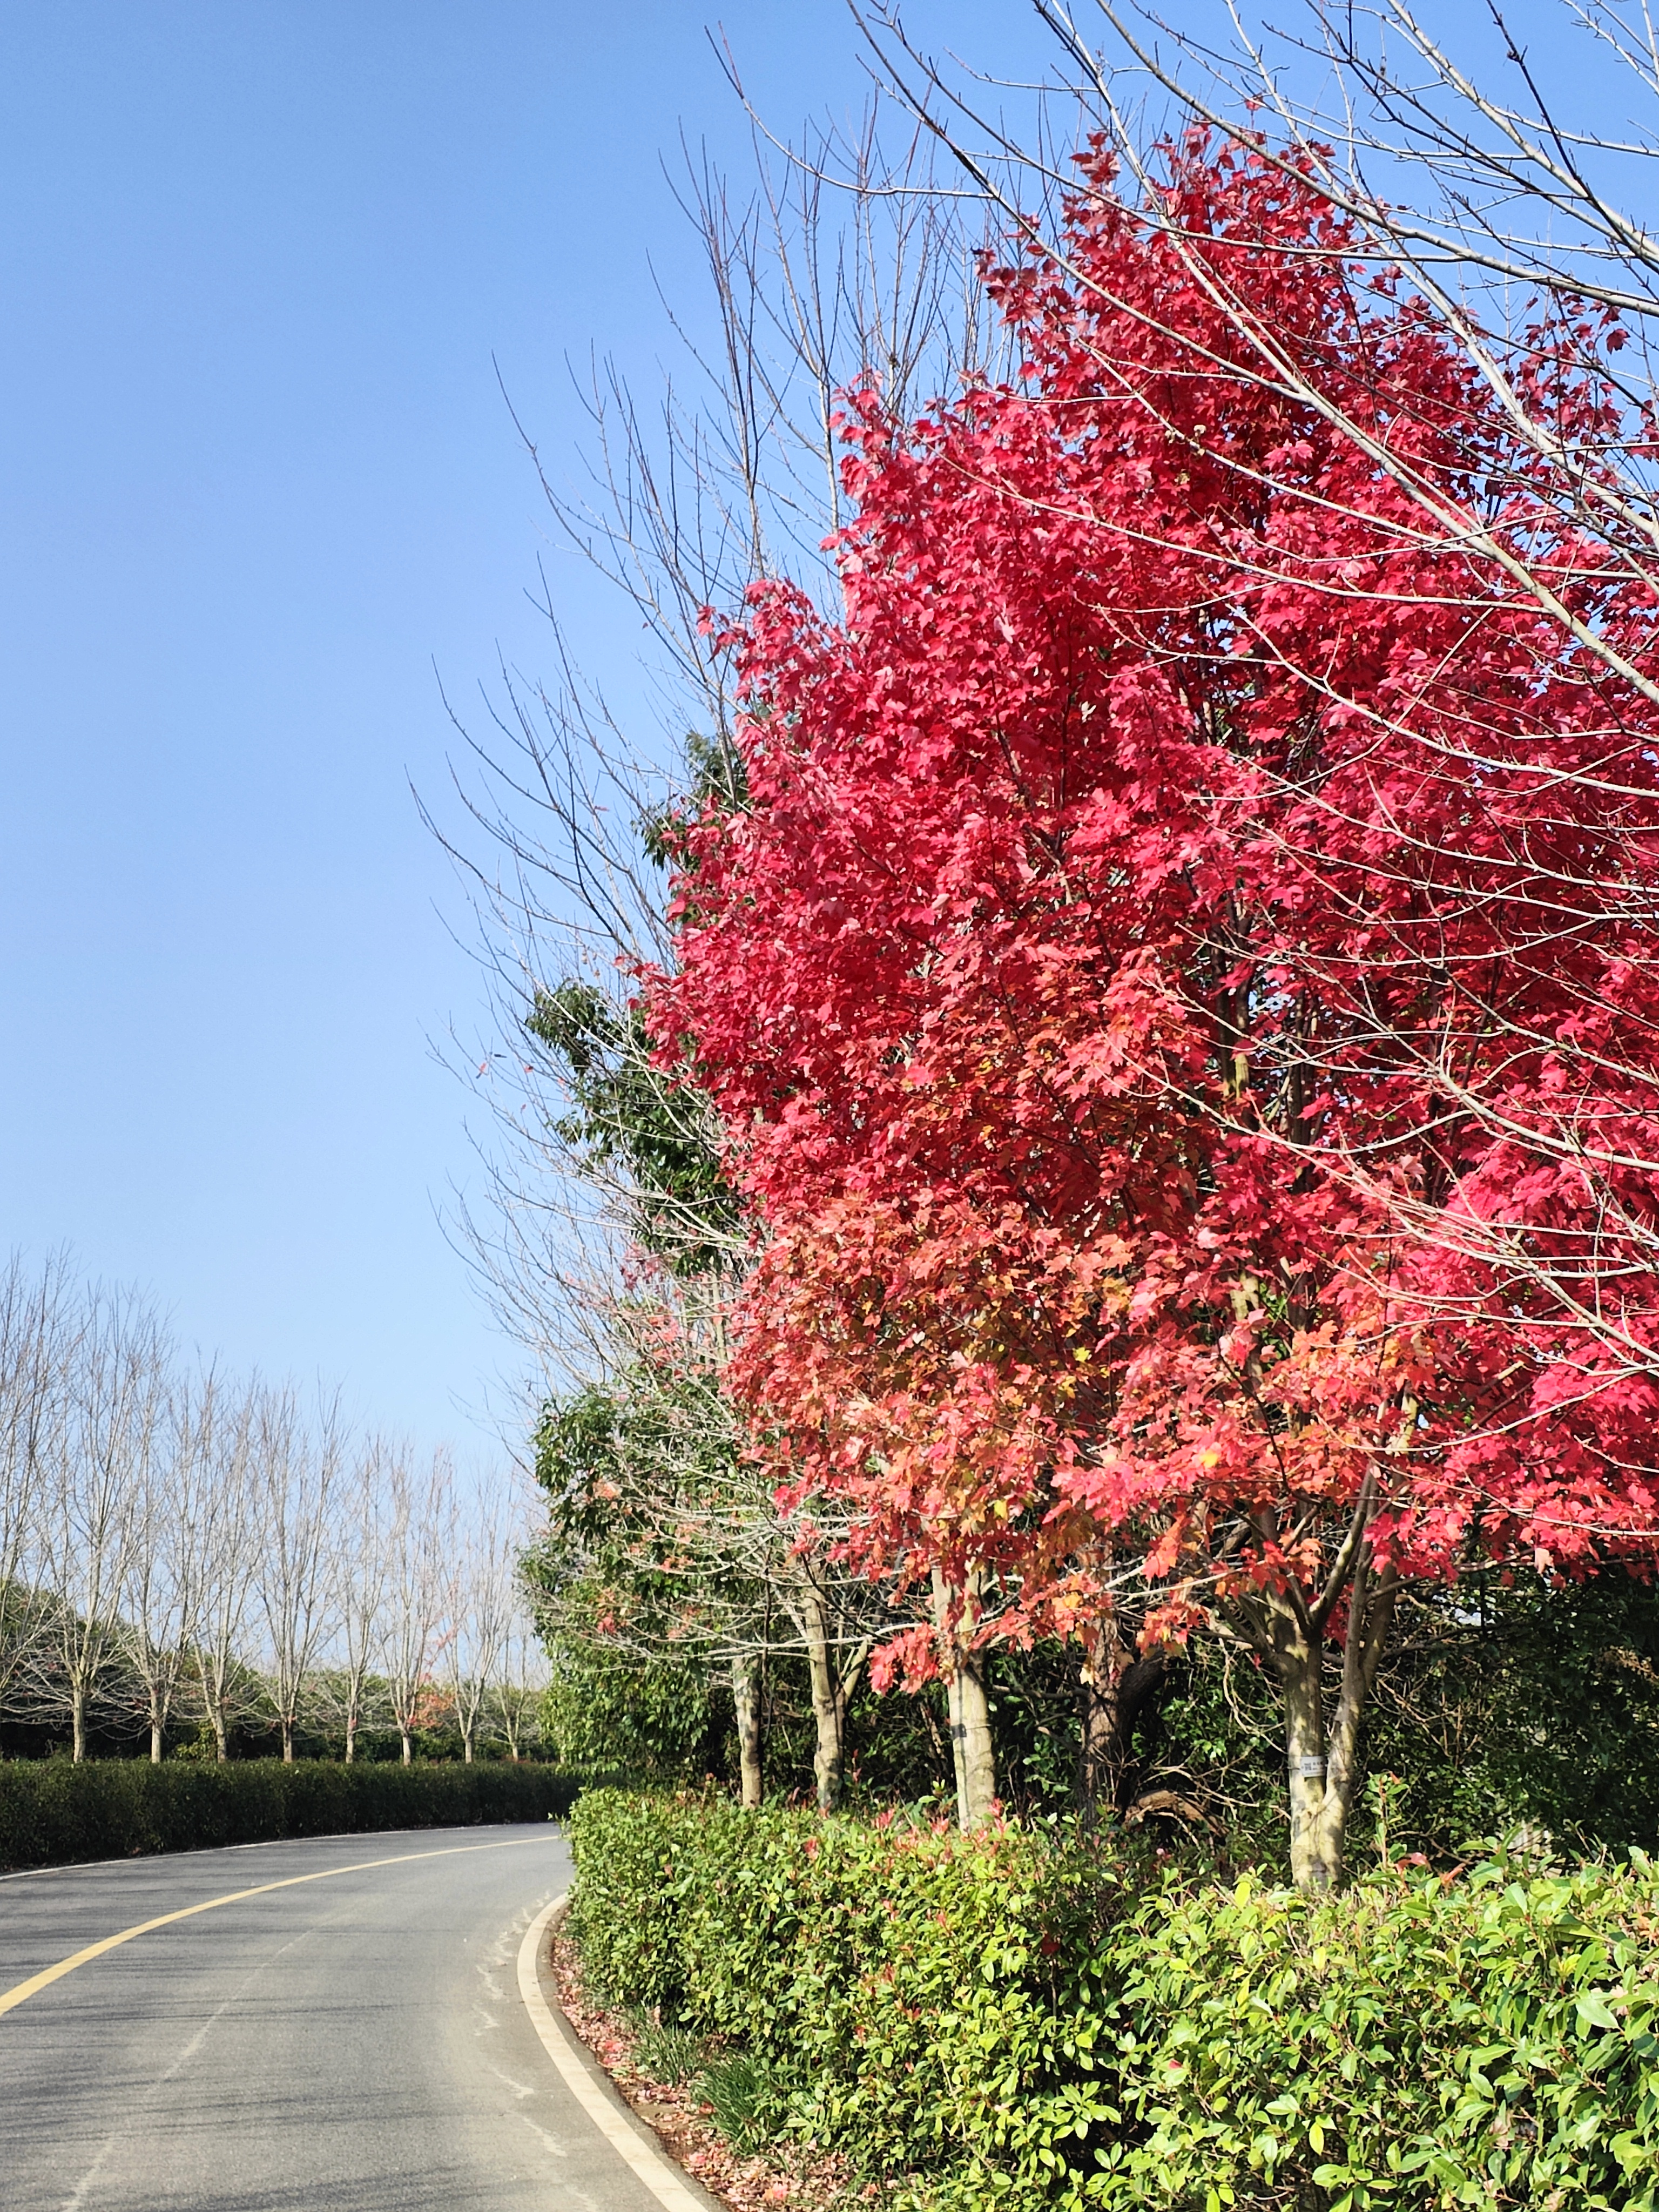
[[356, 2043]]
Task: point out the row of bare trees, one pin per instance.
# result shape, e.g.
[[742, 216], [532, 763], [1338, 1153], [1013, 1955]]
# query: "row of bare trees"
[[178, 1545]]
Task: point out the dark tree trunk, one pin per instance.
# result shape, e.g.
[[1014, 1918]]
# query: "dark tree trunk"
[[1117, 1684]]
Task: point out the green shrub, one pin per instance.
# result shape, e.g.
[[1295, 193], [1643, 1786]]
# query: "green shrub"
[[652, 1719], [52, 1812], [1008, 2021], [1489, 2042], [910, 1996]]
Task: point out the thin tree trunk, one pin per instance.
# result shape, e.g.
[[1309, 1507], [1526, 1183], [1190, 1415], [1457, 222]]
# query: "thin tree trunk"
[[213, 1705], [1316, 1821], [979, 1766], [466, 1746], [154, 1741], [78, 1719], [972, 1749], [350, 1741], [828, 1703], [1324, 1766], [745, 1698], [408, 1749], [287, 1738]]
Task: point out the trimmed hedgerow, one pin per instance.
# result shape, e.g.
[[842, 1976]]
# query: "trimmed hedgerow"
[[1004, 2020], [53, 1812]]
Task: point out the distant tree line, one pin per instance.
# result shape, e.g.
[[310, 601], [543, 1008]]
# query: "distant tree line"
[[212, 1563]]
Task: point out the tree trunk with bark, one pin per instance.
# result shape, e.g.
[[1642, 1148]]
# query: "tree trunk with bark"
[[1117, 1684], [1323, 1757], [829, 1708], [832, 1686], [977, 1774], [212, 1671], [745, 1699], [973, 1750]]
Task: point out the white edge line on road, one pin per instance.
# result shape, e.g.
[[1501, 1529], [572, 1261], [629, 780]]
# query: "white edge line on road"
[[659, 2173]]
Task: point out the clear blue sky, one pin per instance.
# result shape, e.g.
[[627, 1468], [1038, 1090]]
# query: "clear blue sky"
[[258, 479]]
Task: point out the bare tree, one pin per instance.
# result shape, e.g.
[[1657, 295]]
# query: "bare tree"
[[230, 1553], [152, 1518], [163, 1586], [296, 1476], [816, 289], [33, 1316], [359, 1567], [736, 476], [520, 1686], [108, 1405], [484, 1583], [419, 1586]]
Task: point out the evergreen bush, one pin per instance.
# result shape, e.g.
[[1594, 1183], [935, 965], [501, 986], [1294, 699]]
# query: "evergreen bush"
[[53, 1812], [1010, 2020]]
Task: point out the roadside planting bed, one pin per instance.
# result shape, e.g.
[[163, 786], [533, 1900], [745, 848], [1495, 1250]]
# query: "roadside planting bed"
[[1005, 2019]]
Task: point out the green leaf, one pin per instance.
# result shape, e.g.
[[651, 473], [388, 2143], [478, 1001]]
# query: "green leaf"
[[1595, 2011]]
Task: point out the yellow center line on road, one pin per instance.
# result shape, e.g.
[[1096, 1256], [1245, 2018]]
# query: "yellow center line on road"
[[21, 1993]]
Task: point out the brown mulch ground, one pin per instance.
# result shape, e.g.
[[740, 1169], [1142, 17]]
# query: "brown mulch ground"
[[805, 2180]]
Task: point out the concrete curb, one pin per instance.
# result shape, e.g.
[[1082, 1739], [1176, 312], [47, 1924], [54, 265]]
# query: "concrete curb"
[[626, 2133]]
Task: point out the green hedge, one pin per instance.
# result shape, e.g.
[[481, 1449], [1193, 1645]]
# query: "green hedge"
[[52, 1812], [1003, 2020]]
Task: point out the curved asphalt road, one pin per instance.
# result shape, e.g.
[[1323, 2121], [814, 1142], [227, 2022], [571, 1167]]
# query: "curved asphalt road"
[[354, 2044]]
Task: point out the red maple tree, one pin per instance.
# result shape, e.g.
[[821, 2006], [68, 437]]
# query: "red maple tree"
[[1172, 826]]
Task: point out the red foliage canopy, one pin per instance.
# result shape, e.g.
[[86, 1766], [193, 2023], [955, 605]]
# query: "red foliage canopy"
[[1173, 826]]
